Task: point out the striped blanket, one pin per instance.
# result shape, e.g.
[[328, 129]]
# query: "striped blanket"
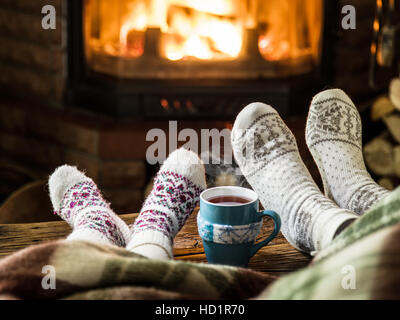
[[361, 263]]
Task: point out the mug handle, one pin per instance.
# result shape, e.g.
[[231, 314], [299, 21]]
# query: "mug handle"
[[277, 222]]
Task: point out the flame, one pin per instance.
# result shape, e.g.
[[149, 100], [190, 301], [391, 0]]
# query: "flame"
[[216, 7], [206, 29], [136, 20], [192, 28]]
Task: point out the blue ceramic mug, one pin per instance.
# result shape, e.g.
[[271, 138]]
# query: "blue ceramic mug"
[[229, 222]]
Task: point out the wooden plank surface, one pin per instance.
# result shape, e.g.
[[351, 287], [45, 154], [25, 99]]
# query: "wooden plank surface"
[[278, 258]]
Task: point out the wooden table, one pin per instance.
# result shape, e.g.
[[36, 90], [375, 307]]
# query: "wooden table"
[[278, 258]]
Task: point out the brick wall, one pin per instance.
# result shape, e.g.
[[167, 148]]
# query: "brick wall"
[[32, 60], [40, 139]]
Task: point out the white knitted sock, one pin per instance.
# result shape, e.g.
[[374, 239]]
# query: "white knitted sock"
[[78, 201], [175, 194], [267, 154], [333, 135]]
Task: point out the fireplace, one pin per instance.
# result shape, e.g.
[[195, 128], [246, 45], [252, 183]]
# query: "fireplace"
[[134, 75], [185, 59]]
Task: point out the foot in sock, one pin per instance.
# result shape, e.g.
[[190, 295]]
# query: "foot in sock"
[[333, 135], [267, 154], [78, 201], [175, 194]]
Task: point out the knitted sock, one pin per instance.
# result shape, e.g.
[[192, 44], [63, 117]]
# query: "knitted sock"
[[175, 194], [267, 154], [78, 201], [333, 135]]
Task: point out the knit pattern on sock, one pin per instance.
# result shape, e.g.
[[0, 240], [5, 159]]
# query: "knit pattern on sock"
[[334, 137], [83, 207], [168, 206]]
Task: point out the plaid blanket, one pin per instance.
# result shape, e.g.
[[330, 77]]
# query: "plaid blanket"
[[361, 263]]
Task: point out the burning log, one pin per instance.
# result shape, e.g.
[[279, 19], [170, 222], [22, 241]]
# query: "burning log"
[[201, 34]]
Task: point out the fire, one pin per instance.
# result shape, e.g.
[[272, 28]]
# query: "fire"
[[194, 46], [288, 30], [207, 29], [135, 21]]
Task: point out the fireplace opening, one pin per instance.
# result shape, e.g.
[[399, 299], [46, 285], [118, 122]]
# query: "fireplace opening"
[[202, 39], [195, 59]]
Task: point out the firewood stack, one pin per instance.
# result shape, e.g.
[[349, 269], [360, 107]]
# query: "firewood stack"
[[382, 154]]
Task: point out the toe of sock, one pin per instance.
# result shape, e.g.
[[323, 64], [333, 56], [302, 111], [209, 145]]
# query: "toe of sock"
[[250, 113], [61, 180], [329, 112], [330, 95], [188, 164]]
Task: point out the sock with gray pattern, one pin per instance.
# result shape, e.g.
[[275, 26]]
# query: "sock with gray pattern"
[[333, 135], [267, 154]]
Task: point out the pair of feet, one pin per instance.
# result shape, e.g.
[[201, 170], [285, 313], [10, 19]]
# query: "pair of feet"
[[177, 187], [267, 154]]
